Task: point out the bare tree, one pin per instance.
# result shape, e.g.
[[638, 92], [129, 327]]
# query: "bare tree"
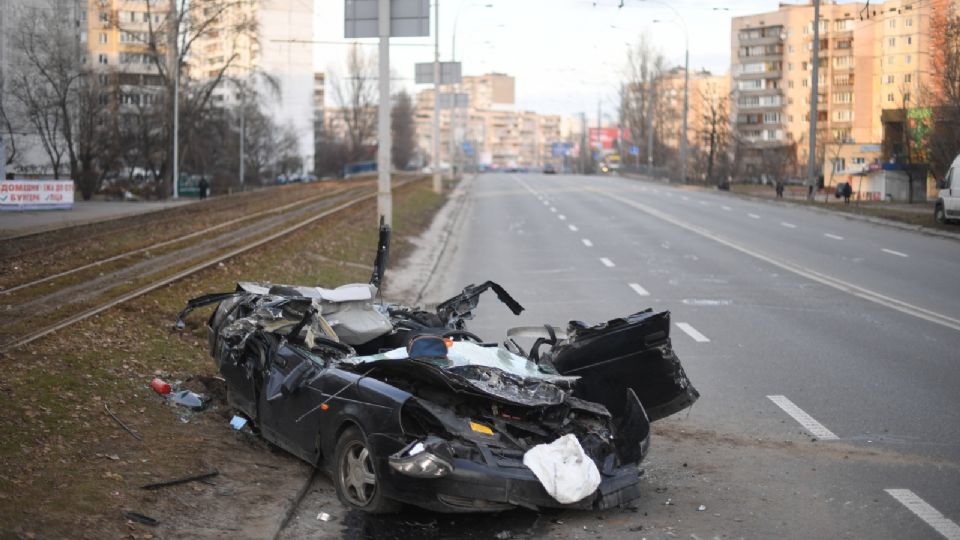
[[715, 134], [640, 100], [403, 127], [943, 96], [778, 161], [356, 95]]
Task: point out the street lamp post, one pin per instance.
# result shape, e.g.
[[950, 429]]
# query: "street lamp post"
[[686, 83], [453, 58], [437, 181]]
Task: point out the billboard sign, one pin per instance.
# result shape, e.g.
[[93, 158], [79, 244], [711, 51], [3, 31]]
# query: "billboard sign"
[[408, 18], [449, 73], [559, 149], [450, 100], [604, 138], [36, 194]]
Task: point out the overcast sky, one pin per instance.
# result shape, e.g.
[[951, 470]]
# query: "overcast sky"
[[565, 54]]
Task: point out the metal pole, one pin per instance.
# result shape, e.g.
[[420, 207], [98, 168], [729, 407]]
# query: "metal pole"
[[814, 95], [242, 135], [650, 98], [453, 102], [686, 108], [384, 199], [437, 181], [176, 127]]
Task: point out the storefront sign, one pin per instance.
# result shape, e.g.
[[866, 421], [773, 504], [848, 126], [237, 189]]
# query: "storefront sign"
[[36, 194]]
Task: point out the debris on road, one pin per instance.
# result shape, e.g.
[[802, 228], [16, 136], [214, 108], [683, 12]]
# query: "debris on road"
[[323, 516], [140, 518], [186, 398], [160, 386], [238, 422], [132, 433], [184, 480]]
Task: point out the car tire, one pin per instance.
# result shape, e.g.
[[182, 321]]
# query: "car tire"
[[938, 214], [355, 475]]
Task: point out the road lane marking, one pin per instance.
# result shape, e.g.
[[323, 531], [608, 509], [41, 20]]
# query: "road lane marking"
[[607, 262], [587, 242], [546, 203], [705, 203], [727, 208], [809, 273], [684, 197], [573, 228], [639, 290], [892, 252], [754, 216], [927, 513], [553, 209], [692, 332], [815, 428], [788, 225], [834, 236], [670, 195]]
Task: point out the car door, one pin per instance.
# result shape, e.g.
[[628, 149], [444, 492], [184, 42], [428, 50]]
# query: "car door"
[[287, 415]]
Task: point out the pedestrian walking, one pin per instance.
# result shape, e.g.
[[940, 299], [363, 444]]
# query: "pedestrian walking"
[[779, 189], [204, 186], [847, 192]]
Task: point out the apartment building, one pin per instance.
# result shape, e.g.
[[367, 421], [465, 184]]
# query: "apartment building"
[[873, 57], [277, 60], [489, 132]]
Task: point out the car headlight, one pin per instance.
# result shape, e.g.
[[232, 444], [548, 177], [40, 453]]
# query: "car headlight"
[[424, 459]]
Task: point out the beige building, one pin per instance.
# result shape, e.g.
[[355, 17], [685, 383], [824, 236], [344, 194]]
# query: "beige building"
[[873, 56], [489, 131]]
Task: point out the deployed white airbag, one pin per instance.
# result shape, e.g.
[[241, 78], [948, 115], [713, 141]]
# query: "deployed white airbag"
[[564, 469]]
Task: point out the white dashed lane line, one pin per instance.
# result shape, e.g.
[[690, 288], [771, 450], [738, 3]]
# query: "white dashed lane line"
[[684, 197], [929, 514], [553, 209], [587, 242], [834, 236], [607, 262], [705, 203], [546, 203], [727, 208], [754, 216], [692, 332], [788, 225], [561, 217], [815, 428], [892, 252], [639, 290], [573, 227]]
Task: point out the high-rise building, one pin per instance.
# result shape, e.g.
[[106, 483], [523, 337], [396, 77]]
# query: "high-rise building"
[[276, 59], [873, 57]]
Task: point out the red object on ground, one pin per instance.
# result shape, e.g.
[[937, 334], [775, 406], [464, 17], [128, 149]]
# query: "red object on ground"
[[159, 386]]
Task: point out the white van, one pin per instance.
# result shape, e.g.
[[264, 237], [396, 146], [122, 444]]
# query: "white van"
[[947, 207]]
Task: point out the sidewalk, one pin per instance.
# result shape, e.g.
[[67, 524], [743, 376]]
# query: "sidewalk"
[[15, 223]]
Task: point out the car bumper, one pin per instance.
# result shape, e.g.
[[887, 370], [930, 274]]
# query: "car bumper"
[[478, 487]]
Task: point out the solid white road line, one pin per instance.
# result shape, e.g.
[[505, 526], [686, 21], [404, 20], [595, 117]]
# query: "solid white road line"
[[692, 332], [815, 428], [727, 208], [754, 216], [639, 290], [561, 217], [573, 228], [607, 262], [587, 242], [892, 252], [834, 236], [927, 513], [809, 273], [788, 225]]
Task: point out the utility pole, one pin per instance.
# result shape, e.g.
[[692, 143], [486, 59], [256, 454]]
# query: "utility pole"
[[243, 94], [814, 95], [175, 55], [384, 198], [651, 93], [437, 180], [686, 108], [583, 142], [599, 136]]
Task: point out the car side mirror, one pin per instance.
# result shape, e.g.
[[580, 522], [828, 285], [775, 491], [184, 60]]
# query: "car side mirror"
[[296, 378]]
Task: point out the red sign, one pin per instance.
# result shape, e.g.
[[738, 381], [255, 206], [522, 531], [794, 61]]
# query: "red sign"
[[604, 138]]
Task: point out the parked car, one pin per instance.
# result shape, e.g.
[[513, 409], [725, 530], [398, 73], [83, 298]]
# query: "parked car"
[[549, 169], [947, 207], [398, 404]]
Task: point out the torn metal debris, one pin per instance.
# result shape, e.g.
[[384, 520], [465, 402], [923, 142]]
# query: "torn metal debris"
[[398, 403]]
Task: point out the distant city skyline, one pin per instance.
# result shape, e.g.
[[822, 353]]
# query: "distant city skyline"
[[565, 54]]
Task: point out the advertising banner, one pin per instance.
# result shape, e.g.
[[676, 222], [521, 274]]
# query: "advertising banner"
[[603, 138], [36, 194]]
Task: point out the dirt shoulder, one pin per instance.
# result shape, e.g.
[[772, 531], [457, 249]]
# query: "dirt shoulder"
[[67, 469]]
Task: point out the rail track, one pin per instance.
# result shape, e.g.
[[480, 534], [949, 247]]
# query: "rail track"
[[269, 228]]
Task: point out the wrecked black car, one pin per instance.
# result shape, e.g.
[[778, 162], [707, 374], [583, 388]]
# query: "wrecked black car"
[[401, 404]]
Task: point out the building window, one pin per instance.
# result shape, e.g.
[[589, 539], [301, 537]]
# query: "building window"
[[859, 160], [908, 21], [843, 115], [891, 42], [906, 97], [842, 97], [909, 40], [891, 60], [891, 79], [103, 37], [790, 84], [841, 61], [104, 18], [102, 59], [146, 17], [908, 78], [805, 83], [890, 97], [83, 37], [104, 80], [907, 59], [839, 165], [789, 66], [892, 23]]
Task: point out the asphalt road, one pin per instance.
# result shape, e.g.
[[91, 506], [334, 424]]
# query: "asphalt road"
[[830, 345]]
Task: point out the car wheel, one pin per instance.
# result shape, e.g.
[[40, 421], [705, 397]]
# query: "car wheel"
[[939, 215], [355, 475]]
